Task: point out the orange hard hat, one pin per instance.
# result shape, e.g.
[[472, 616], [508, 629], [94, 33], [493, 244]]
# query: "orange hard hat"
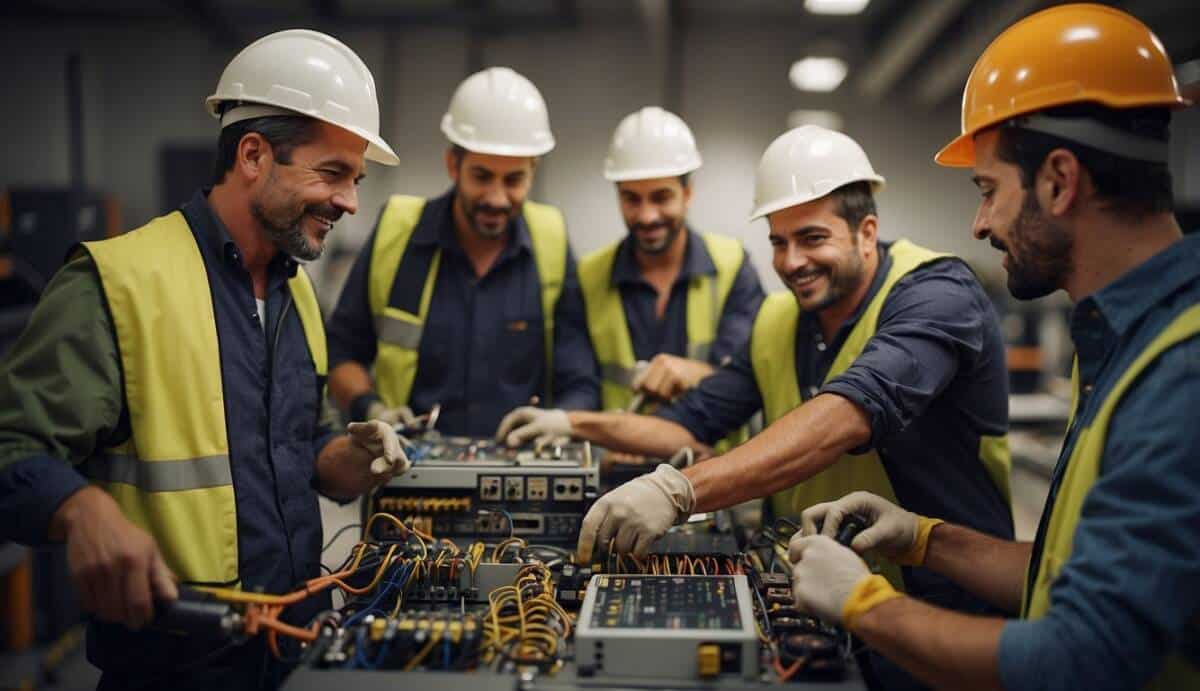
[[1066, 54]]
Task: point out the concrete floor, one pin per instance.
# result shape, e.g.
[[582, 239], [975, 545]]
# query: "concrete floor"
[[76, 674]]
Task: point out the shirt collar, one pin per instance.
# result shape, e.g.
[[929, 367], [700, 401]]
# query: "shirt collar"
[[210, 230], [696, 261], [438, 228], [1126, 300]]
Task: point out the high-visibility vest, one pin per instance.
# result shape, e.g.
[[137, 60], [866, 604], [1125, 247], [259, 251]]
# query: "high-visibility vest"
[[773, 354], [609, 329], [172, 476], [399, 331], [1082, 469]]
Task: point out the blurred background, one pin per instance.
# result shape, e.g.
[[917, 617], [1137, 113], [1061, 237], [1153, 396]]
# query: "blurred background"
[[104, 128]]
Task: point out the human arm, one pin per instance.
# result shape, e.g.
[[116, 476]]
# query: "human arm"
[[61, 399], [576, 381], [910, 540]]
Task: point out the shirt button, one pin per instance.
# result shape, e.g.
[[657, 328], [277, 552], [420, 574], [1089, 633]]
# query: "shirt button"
[[821, 346], [1087, 388]]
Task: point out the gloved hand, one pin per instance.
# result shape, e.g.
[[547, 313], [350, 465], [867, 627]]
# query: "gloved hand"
[[527, 422], [380, 447], [637, 513], [824, 574], [891, 531], [669, 376], [400, 415]]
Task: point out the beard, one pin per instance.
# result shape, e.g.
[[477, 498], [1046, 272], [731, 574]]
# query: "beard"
[[674, 227], [1039, 253], [844, 279], [472, 210], [283, 222]]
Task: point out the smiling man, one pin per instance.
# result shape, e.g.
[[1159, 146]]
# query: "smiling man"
[[883, 367], [680, 301], [1065, 122], [470, 300], [161, 412]]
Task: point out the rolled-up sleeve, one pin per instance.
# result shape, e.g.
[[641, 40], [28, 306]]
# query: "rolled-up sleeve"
[[931, 325], [350, 330], [1128, 595], [737, 317], [576, 381], [61, 397], [721, 403]]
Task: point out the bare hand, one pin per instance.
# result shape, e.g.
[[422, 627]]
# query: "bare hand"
[[669, 376], [116, 566]]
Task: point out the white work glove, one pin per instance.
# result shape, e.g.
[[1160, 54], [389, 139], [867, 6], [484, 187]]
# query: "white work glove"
[[400, 415], [891, 531], [824, 574], [377, 440], [637, 513], [541, 425]]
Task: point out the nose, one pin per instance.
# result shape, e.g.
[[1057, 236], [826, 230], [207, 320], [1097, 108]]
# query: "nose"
[[495, 196], [980, 226], [346, 199], [647, 214], [794, 258]]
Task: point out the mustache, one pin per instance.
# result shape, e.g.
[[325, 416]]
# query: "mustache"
[[488, 208], [997, 244], [328, 211], [648, 226], [801, 275]]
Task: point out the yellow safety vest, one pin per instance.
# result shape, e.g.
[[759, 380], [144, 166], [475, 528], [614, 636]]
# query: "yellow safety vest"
[[172, 476], [399, 331], [609, 330], [1083, 467], [773, 354]]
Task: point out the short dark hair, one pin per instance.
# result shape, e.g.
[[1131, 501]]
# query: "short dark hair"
[[854, 202], [283, 132], [459, 153], [1130, 188], [685, 179]]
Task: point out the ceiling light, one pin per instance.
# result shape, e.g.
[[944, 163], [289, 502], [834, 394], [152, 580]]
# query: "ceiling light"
[[817, 74], [835, 6], [828, 119]]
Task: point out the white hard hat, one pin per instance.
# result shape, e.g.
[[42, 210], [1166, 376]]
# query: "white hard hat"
[[651, 143], [497, 111], [308, 73], [808, 163]]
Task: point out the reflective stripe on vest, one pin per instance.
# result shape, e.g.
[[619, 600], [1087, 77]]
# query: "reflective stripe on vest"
[[609, 329], [399, 332], [172, 477], [773, 354], [1083, 467]]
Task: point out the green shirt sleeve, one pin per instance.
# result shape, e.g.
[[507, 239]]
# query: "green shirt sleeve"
[[60, 386]]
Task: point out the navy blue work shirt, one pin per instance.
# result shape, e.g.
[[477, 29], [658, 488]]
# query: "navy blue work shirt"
[[1128, 595], [652, 335], [932, 380], [272, 407], [482, 350]]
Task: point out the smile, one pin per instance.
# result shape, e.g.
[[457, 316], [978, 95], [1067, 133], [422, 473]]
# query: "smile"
[[323, 221], [806, 281]]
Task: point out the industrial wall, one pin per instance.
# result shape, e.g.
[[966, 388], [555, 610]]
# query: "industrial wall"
[[143, 87]]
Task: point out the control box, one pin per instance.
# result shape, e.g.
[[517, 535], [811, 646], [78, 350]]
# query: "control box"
[[667, 627], [465, 489]]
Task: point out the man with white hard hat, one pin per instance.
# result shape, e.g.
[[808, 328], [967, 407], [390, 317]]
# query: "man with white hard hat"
[[161, 412], [468, 301], [676, 301], [883, 368]]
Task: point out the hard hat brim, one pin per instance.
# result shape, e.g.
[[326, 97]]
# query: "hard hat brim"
[[495, 148], [651, 173], [877, 185], [959, 153]]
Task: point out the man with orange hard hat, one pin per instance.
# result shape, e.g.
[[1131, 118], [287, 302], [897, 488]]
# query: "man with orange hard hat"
[[1065, 122]]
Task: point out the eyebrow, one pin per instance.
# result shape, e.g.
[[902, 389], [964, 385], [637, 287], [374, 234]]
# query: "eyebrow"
[[803, 230]]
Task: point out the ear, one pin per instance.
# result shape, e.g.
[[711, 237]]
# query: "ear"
[[868, 234], [1059, 182], [452, 165], [254, 156]]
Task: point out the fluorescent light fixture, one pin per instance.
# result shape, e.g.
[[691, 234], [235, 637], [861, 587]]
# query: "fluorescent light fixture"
[[817, 73], [828, 119], [835, 6]]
